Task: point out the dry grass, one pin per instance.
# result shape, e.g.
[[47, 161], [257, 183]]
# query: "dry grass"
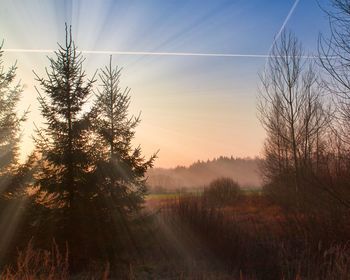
[[38, 264], [255, 238], [251, 239]]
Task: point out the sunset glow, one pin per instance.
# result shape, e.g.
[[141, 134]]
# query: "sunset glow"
[[192, 65]]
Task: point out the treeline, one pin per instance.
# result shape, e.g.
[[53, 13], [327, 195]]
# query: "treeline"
[[84, 181], [244, 171], [305, 110]]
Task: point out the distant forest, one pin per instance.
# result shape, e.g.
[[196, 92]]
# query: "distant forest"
[[245, 171]]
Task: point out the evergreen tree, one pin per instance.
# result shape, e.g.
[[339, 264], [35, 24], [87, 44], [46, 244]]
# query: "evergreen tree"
[[122, 167], [13, 175], [120, 171], [63, 179], [90, 178], [10, 122]]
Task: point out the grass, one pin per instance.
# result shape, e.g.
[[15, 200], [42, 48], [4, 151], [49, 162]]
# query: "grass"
[[258, 240], [157, 200], [186, 238], [35, 264], [160, 196]]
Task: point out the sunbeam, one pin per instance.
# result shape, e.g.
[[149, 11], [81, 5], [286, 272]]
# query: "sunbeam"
[[10, 220], [157, 51]]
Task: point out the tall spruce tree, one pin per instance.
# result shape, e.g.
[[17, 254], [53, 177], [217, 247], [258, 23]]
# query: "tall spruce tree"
[[10, 122], [63, 144]]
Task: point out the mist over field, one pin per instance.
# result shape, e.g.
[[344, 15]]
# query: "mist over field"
[[245, 171]]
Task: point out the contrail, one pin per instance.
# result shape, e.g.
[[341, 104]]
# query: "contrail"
[[108, 52], [151, 53], [178, 54], [284, 24], [223, 55]]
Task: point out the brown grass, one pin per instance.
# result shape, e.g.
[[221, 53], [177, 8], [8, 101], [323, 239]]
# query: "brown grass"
[[250, 239], [38, 264], [255, 238]]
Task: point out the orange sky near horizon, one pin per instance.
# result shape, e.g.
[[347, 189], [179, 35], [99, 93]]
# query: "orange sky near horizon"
[[192, 66]]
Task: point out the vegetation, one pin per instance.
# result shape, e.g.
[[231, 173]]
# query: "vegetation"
[[10, 125], [244, 170], [75, 209], [84, 184], [221, 192], [256, 239], [62, 180]]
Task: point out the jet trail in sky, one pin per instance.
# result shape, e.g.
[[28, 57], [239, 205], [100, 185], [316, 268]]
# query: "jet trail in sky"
[[150, 53], [284, 24]]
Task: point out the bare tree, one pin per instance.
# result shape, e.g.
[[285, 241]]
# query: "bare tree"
[[334, 57], [334, 53], [292, 112]]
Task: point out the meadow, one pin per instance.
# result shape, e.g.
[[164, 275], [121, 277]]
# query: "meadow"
[[190, 236]]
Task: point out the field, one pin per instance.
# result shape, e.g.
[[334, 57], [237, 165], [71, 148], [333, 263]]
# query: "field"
[[185, 236], [252, 238]]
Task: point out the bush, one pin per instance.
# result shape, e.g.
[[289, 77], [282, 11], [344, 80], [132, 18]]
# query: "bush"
[[221, 192]]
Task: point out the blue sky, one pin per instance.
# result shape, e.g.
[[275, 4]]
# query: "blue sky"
[[192, 107]]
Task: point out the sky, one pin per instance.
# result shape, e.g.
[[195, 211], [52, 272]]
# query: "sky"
[[192, 65]]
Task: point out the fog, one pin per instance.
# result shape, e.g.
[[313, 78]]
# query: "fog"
[[243, 170]]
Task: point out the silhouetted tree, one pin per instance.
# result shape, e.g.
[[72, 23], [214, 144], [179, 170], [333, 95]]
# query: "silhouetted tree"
[[334, 56], [334, 53], [62, 181], [120, 169], [13, 175], [10, 123], [90, 179], [121, 166], [292, 112]]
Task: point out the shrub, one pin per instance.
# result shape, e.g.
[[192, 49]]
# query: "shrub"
[[221, 192]]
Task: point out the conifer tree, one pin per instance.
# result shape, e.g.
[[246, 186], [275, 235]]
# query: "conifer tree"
[[10, 122], [63, 144], [12, 173], [90, 178], [121, 168]]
